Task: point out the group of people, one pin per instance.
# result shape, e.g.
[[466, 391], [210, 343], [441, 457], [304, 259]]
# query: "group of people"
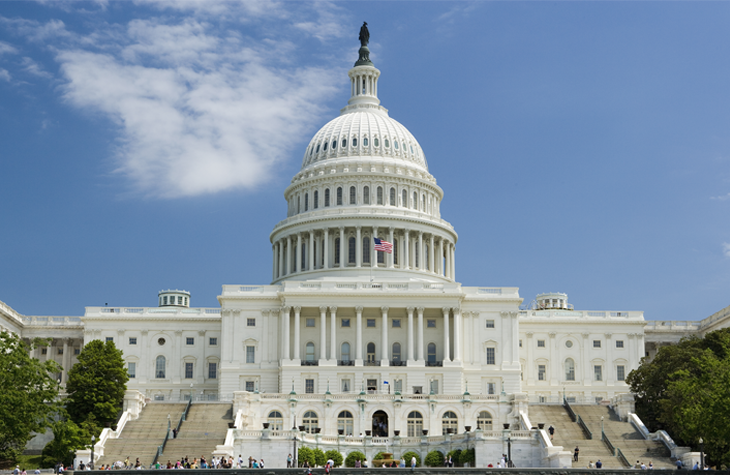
[[503, 462]]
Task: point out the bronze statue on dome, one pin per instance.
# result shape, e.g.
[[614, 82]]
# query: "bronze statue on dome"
[[364, 34]]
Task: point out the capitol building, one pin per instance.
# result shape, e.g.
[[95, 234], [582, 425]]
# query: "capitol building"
[[354, 343]]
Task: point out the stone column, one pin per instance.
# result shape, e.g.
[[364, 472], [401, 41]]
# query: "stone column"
[[342, 247], [457, 334], [358, 247], [430, 255], [297, 333], [441, 257], [358, 335], [323, 331], [274, 259], [406, 245], [447, 349], [391, 257], [420, 334], [281, 258], [285, 330], [312, 259], [326, 248], [333, 333], [453, 261], [411, 342], [384, 337], [298, 253]]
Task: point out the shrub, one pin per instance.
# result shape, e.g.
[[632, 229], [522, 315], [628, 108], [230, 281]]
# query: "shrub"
[[305, 453], [319, 458], [467, 456], [408, 455], [352, 457], [335, 456], [434, 459]]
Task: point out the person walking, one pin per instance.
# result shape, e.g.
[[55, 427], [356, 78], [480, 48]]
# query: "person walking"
[[288, 461], [575, 453], [413, 463], [551, 430]]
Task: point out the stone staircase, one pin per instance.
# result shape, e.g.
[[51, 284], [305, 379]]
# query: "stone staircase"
[[140, 438], [570, 435], [624, 436], [205, 427]]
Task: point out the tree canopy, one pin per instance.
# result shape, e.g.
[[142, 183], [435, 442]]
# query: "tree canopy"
[[96, 386], [28, 395], [685, 390]]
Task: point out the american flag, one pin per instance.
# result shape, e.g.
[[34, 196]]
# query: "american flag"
[[383, 246]]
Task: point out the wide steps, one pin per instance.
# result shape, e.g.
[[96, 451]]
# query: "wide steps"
[[205, 427]]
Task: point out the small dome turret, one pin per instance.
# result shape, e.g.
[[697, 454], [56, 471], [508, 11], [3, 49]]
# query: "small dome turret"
[[173, 298]]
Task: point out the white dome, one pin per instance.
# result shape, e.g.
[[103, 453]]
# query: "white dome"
[[364, 134]]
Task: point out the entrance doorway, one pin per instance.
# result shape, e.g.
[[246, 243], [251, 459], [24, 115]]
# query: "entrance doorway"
[[380, 424]]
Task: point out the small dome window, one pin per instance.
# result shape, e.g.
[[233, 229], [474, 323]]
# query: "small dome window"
[[411, 148], [344, 143], [387, 144], [376, 142], [325, 146], [354, 142], [334, 144], [365, 142], [317, 148], [395, 144]]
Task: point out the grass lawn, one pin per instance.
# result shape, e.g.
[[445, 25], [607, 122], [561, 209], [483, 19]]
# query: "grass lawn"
[[29, 462]]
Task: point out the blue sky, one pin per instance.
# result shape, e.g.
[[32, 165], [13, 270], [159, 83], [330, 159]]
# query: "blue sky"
[[582, 147]]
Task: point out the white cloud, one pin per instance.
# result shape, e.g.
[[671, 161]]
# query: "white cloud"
[[4, 74], [34, 68], [726, 249], [721, 197], [6, 48], [200, 107]]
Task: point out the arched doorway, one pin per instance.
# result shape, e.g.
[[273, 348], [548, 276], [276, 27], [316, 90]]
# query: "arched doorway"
[[380, 424]]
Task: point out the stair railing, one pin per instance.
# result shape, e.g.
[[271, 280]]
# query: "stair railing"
[[608, 443], [571, 412], [161, 448], [586, 431], [184, 414], [622, 457]]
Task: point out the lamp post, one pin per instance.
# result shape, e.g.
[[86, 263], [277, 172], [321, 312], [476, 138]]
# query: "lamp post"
[[509, 451], [702, 454], [93, 442], [294, 455], [191, 392]]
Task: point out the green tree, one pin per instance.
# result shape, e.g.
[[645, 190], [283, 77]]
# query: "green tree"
[[319, 458], [467, 456], [96, 384], [352, 457], [455, 457], [335, 456], [435, 459], [29, 389], [305, 454], [409, 455], [67, 438]]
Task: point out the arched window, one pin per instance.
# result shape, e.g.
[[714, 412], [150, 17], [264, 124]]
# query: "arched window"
[[371, 352], [327, 197], [415, 424], [569, 369], [324, 147], [337, 251], [160, 364], [381, 257], [484, 421], [306, 201], [334, 144], [344, 143], [310, 351], [317, 149], [423, 202], [345, 422], [310, 422], [351, 251], [395, 252], [316, 199], [345, 352], [396, 352], [404, 198], [365, 142], [431, 353], [449, 423], [366, 250], [339, 196], [276, 420], [387, 143], [415, 200], [376, 142], [353, 195], [395, 144], [354, 142], [366, 195], [392, 197], [380, 195]]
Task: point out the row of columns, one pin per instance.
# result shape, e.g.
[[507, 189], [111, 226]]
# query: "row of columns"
[[287, 260], [68, 345], [415, 335]]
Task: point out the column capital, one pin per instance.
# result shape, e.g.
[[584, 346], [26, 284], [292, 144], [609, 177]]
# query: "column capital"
[[608, 335], [384, 308], [358, 228], [265, 312], [420, 310], [119, 330], [323, 308], [341, 228], [286, 309], [456, 310], [144, 332], [552, 334], [202, 332], [446, 311], [585, 334], [178, 332], [333, 309], [298, 309], [410, 310], [359, 309], [529, 334]]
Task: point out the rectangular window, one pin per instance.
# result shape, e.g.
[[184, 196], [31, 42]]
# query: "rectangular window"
[[370, 323], [620, 373], [371, 385], [598, 372], [309, 322], [398, 385], [520, 343], [417, 389], [188, 370], [345, 323], [490, 356], [109, 338], [189, 341], [596, 343], [346, 385], [541, 372], [431, 323], [250, 354], [541, 343], [77, 351], [213, 342], [132, 340], [250, 322], [309, 386], [60, 351], [396, 323], [132, 370], [491, 388], [250, 386], [212, 370], [490, 323], [619, 343], [44, 351]]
